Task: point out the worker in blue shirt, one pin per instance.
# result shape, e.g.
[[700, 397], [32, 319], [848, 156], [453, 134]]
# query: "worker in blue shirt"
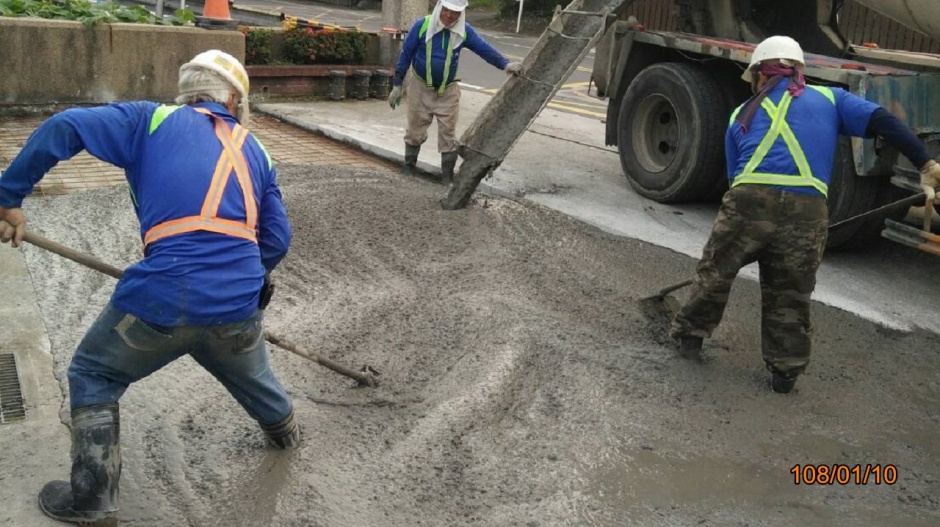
[[779, 148], [426, 73], [213, 225]]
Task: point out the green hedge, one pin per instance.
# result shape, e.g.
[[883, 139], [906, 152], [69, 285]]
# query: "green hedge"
[[89, 13], [304, 46]]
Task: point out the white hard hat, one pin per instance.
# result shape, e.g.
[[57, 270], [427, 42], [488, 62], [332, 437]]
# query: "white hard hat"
[[455, 5], [784, 49], [230, 69]]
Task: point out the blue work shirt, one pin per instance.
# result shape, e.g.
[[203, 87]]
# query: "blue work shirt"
[[816, 122], [169, 155], [414, 54]]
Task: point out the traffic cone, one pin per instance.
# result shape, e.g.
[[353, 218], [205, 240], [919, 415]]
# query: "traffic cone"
[[217, 9]]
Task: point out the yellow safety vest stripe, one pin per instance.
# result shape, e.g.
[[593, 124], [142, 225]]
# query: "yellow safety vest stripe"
[[779, 128]]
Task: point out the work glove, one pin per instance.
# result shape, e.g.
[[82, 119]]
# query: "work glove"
[[930, 178], [514, 68], [12, 225], [394, 98]]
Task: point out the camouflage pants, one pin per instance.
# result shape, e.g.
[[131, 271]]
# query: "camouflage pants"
[[785, 233]]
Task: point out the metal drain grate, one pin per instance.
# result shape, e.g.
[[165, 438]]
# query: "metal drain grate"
[[11, 395]]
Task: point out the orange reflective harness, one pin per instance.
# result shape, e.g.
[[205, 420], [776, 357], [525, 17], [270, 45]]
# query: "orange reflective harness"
[[231, 159]]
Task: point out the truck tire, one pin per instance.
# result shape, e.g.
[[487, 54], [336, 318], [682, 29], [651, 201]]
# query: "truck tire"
[[851, 195], [671, 131]]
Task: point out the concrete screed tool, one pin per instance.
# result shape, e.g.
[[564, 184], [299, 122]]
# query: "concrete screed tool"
[[364, 378]]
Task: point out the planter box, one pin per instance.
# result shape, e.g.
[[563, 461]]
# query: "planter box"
[[303, 81]]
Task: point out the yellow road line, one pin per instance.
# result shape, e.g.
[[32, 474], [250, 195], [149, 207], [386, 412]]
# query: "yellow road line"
[[572, 109], [560, 106], [585, 104]]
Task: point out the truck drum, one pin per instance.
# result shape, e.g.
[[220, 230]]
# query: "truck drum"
[[671, 131]]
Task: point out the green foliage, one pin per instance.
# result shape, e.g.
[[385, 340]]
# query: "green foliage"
[[257, 46], [310, 46], [88, 13], [531, 8], [486, 5]]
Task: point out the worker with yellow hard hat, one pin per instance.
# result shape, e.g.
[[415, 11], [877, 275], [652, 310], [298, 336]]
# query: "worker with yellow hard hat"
[[213, 226]]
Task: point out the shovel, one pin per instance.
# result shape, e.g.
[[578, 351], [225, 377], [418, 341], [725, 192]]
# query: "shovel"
[[363, 378]]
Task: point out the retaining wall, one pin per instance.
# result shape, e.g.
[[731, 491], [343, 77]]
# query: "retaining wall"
[[61, 62]]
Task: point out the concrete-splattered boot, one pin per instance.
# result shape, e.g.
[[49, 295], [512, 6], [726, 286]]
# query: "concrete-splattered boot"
[[410, 168], [90, 498], [284, 435], [691, 348], [448, 162]]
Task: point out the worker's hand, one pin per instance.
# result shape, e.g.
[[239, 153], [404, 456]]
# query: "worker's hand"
[[930, 178], [394, 98], [514, 68], [12, 225]]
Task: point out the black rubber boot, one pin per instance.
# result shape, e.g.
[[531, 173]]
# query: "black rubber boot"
[[782, 382], [410, 168], [284, 435], [90, 498], [448, 162], [691, 348]]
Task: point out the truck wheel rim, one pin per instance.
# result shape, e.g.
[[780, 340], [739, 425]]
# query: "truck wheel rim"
[[655, 133]]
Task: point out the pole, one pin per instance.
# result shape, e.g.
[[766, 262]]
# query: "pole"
[[519, 18]]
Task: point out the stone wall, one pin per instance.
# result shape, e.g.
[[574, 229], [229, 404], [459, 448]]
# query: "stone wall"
[[60, 62]]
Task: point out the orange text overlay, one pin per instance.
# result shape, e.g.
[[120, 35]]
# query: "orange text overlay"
[[844, 474]]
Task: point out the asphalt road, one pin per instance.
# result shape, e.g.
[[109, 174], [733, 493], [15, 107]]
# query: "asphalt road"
[[475, 74]]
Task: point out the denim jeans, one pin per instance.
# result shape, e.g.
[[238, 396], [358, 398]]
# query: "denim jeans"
[[120, 349]]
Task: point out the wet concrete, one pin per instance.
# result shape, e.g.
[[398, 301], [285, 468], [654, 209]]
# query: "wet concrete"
[[520, 383]]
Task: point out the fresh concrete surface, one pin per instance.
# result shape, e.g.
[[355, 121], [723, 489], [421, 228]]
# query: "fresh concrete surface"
[[562, 162]]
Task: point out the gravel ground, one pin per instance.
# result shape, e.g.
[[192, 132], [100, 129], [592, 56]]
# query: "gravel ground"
[[520, 385]]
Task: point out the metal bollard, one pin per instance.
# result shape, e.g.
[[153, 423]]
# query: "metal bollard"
[[337, 85], [361, 84], [380, 84]]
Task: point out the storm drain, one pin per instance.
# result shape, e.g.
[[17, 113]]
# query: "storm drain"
[[11, 394]]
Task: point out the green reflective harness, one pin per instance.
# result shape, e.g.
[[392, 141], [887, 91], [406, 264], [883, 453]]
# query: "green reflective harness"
[[429, 47], [780, 128]]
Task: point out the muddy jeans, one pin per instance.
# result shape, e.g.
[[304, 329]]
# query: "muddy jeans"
[[424, 104], [785, 233], [120, 349]]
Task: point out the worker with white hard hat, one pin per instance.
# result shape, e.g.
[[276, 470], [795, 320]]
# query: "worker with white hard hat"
[[780, 147], [213, 227], [426, 74]]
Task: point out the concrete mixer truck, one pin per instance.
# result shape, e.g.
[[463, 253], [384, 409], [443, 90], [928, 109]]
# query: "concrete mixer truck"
[[671, 93]]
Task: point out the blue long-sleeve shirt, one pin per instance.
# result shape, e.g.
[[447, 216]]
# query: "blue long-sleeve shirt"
[[169, 155], [414, 54]]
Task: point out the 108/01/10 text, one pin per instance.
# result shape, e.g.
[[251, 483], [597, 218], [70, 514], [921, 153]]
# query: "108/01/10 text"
[[844, 474]]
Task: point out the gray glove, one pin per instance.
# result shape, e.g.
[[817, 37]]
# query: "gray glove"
[[514, 68], [394, 98]]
